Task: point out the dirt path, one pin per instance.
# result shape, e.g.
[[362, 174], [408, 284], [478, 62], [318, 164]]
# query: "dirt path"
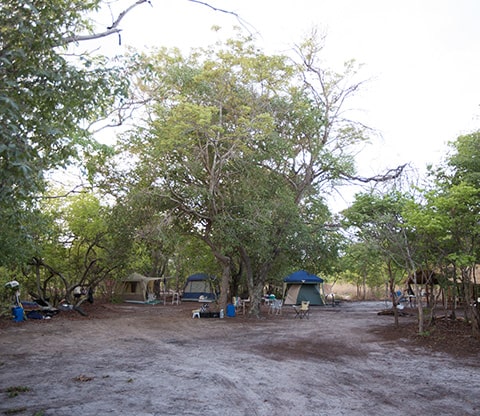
[[157, 360]]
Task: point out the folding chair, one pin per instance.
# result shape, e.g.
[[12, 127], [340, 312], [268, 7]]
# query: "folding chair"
[[303, 311]]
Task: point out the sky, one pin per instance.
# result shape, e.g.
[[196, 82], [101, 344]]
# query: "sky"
[[421, 57]]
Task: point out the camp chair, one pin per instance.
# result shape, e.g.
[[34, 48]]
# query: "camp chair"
[[303, 311], [196, 312], [276, 307]]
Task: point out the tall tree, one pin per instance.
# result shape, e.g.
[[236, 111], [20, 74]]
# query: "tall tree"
[[362, 266], [240, 147], [207, 112], [377, 221], [465, 160], [46, 97], [75, 249], [454, 206]]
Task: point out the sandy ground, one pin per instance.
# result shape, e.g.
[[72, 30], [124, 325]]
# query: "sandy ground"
[[156, 360]]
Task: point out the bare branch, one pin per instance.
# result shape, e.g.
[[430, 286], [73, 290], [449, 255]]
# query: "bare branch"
[[112, 29], [387, 176], [74, 190], [80, 38], [117, 116], [215, 8]]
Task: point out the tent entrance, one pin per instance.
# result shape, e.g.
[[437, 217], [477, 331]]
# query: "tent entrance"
[[296, 294]]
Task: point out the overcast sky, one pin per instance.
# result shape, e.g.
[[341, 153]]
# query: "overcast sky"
[[422, 56]]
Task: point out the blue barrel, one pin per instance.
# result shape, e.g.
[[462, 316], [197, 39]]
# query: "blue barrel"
[[17, 312], [231, 310]]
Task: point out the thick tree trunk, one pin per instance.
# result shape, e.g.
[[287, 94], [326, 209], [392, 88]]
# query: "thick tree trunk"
[[225, 283], [256, 297], [255, 288], [225, 263]]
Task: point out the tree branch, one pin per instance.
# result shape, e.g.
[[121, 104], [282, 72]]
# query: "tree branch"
[[215, 8], [387, 176], [112, 29]]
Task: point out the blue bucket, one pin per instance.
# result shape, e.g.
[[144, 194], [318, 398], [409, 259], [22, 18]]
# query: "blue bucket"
[[17, 312], [230, 310]]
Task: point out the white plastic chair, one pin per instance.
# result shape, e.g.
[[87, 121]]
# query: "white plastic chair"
[[196, 312], [276, 307]]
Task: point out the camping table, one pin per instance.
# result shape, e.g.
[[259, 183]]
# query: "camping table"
[[243, 303]]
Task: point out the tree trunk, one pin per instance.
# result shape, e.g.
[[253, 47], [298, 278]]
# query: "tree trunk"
[[475, 308], [418, 295], [225, 283], [256, 297], [364, 286], [391, 280], [235, 279], [471, 307], [475, 314], [255, 288], [38, 279], [225, 263]]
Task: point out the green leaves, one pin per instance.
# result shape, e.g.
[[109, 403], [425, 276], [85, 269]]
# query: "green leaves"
[[46, 98], [466, 160]]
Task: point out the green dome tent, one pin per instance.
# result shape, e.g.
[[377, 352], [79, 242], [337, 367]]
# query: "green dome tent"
[[303, 286]]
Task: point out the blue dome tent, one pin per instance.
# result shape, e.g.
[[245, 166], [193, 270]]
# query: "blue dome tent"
[[303, 286], [199, 285]]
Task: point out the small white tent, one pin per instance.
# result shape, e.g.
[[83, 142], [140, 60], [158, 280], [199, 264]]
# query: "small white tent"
[[139, 288]]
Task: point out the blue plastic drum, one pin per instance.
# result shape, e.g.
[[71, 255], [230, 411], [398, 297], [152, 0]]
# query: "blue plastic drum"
[[230, 310], [17, 312]]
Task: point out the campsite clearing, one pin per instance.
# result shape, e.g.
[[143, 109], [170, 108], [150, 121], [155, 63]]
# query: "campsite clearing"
[[135, 359]]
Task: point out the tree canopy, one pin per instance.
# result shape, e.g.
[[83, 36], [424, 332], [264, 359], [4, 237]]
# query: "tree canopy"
[[48, 98], [237, 148]]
